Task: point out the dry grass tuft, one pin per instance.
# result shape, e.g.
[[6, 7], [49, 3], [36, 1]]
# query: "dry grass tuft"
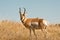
[[10, 30]]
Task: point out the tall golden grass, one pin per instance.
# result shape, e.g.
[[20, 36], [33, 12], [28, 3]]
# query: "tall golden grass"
[[10, 30]]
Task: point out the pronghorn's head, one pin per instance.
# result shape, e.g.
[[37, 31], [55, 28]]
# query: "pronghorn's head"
[[22, 15]]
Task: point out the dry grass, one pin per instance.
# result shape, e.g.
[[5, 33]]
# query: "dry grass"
[[10, 30]]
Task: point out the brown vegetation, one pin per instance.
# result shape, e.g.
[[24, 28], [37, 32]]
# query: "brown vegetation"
[[10, 30]]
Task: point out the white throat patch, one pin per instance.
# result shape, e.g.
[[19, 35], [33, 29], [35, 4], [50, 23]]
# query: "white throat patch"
[[25, 19]]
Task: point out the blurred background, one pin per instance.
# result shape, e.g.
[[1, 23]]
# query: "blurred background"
[[46, 9]]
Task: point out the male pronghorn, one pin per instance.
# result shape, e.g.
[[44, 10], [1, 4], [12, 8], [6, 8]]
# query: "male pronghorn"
[[32, 23]]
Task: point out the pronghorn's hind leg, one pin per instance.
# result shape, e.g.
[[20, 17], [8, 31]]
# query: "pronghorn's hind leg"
[[45, 33], [34, 33]]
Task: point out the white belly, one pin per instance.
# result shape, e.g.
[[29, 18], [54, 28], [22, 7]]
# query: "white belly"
[[34, 24]]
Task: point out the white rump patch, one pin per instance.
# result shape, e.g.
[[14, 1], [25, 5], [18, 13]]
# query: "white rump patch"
[[45, 22]]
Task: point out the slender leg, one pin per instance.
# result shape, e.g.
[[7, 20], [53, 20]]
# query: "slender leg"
[[45, 33], [30, 35], [34, 33]]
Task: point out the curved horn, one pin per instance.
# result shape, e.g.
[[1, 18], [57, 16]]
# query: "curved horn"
[[20, 13], [20, 10], [24, 10]]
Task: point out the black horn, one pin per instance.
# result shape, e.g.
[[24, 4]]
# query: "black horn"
[[20, 10], [24, 10], [20, 13]]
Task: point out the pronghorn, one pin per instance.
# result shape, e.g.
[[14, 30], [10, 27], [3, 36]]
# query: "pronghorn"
[[32, 23]]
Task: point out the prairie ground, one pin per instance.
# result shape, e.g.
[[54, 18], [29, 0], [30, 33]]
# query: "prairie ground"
[[10, 30]]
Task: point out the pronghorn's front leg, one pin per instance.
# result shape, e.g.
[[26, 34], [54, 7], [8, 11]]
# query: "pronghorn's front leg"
[[30, 37], [44, 32], [34, 33]]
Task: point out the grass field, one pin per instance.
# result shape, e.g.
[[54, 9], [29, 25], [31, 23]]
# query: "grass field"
[[10, 30]]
